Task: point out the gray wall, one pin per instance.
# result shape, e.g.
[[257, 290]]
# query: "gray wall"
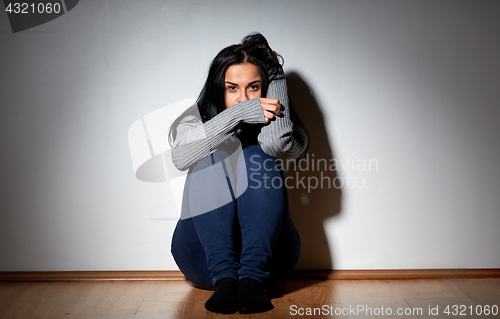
[[411, 85]]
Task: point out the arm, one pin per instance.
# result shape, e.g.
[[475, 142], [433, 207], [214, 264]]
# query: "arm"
[[196, 140], [284, 137]]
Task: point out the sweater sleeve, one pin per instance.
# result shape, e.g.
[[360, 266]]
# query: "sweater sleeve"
[[196, 140], [284, 137]]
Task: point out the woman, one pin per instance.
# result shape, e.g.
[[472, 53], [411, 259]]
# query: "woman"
[[235, 234]]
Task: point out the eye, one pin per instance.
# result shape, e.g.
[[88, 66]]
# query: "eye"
[[254, 87], [231, 88]]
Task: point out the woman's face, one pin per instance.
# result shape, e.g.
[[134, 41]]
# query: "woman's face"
[[242, 82]]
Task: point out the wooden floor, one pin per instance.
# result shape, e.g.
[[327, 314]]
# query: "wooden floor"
[[293, 299]]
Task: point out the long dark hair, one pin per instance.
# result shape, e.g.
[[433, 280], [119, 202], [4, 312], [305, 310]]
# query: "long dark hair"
[[252, 49]]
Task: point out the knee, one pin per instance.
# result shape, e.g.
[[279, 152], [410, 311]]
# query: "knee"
[[255, 160], [257, 170], [210, 160]]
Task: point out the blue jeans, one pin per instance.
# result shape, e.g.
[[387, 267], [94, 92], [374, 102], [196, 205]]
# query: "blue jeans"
[[250, 236]]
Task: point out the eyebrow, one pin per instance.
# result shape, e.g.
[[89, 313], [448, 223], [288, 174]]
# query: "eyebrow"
[[253, 82]]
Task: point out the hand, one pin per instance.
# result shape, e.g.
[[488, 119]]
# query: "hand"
[[271, 108]]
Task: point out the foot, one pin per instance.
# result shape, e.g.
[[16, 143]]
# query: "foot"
[[252, 298], [225, 297]]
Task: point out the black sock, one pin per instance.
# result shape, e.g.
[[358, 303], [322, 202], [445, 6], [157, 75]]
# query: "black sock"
[[252, 298], [225, 297]]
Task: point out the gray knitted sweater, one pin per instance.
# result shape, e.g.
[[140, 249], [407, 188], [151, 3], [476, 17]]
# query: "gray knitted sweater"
[[281, 138]]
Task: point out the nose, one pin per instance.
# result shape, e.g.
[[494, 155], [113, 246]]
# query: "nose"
[[243, 96]]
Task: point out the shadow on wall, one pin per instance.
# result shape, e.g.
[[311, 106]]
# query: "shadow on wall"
[[316, 199]]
